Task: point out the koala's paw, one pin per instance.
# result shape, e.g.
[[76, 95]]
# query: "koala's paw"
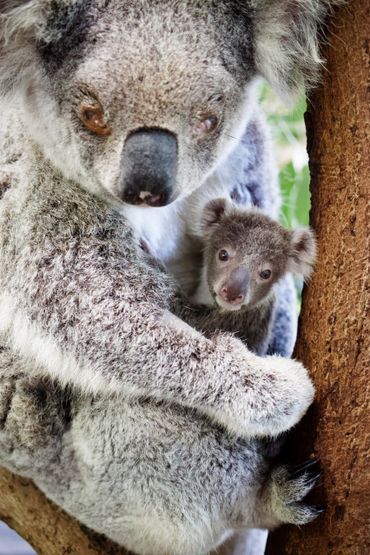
[[285, 490], [257, 396], [287, 395]]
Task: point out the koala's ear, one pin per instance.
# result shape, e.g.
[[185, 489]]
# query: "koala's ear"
[[23, 25], [213, 212], [302, 252], [23, 17], [286, 38]]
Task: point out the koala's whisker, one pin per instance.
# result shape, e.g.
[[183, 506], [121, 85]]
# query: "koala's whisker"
[[232, 137]]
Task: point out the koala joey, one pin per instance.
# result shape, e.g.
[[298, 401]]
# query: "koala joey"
[[245, 254]]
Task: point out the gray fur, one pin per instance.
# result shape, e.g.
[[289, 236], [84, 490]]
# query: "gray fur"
[[156, 478], [156, 443]]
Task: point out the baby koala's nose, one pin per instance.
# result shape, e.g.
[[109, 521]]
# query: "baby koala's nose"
[[232, 296], [234, 289]]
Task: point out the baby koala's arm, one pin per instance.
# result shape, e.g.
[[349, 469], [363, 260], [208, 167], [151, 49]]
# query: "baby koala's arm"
[[82, 302]]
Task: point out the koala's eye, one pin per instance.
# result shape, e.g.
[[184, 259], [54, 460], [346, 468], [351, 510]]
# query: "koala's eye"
[[223, 255], [265, 274], [206, 125], [216, 98], [209, 120], [92, 116]]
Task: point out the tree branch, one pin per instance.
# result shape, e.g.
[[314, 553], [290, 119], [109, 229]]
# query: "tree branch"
[[43, 525]]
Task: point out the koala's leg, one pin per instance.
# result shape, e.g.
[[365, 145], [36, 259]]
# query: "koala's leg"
[[281, 500], [284, 327], [33, 417]]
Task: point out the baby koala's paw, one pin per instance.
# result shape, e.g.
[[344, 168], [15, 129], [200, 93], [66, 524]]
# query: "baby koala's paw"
[[285, 491]]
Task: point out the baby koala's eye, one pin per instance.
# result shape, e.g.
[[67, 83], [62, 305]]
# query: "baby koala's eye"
[[92, 116], [223, 255], [265, 274]]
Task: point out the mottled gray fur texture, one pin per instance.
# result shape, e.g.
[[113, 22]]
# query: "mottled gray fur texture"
[[123, 414]]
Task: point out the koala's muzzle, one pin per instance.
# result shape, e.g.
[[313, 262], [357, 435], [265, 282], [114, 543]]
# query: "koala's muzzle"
[[149, 167], [234, 289]]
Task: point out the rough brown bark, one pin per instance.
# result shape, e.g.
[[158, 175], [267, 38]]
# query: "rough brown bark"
[[334, 331], [46, 527]]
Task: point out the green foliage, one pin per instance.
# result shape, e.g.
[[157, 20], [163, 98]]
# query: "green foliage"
[[289, 136], [296, 195]]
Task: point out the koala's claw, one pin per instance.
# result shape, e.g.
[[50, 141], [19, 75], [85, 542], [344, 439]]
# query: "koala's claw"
[[287, 488], [318, 509], [300, 469], [308, 473]]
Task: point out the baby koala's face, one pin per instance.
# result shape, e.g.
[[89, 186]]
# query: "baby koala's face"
[[246, 253]]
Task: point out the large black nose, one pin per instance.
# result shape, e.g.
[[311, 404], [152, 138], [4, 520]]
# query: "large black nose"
[[149, 166]]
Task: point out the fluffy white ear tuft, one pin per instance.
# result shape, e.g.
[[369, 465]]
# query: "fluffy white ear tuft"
[[213, 212], [24, 23], [28, 19], [20, 25], [18, 17], [302, 252], [287, 34]]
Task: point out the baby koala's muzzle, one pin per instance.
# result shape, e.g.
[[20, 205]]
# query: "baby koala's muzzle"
[[235, 287]]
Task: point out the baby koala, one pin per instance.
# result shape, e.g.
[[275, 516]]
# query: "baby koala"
[[245, 254]]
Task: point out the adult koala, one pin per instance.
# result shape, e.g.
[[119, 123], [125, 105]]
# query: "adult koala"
[[106, 103]]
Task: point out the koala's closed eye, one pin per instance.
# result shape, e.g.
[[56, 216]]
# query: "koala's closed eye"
[[210, 119]]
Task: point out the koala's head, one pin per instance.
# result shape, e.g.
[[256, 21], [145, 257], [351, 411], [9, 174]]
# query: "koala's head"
[[139, 99], [246, 253]]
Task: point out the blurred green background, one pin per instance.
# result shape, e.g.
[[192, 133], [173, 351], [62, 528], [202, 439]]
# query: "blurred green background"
[[289, 136]]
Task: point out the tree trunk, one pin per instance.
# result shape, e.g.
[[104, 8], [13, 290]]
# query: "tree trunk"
[[47, 528], [334, 331]]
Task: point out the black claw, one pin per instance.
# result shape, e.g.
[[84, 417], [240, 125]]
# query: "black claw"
[[312, 477], [300, 469], [318, 509]]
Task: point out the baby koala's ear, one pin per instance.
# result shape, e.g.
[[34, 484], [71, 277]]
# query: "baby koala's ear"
[[302, 252], [213, 212]]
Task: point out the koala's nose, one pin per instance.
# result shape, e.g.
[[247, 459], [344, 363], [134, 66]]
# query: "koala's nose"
[[149, 167], [234, 289]]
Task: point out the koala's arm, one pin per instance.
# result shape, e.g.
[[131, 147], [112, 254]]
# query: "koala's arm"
[[80, 298]]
